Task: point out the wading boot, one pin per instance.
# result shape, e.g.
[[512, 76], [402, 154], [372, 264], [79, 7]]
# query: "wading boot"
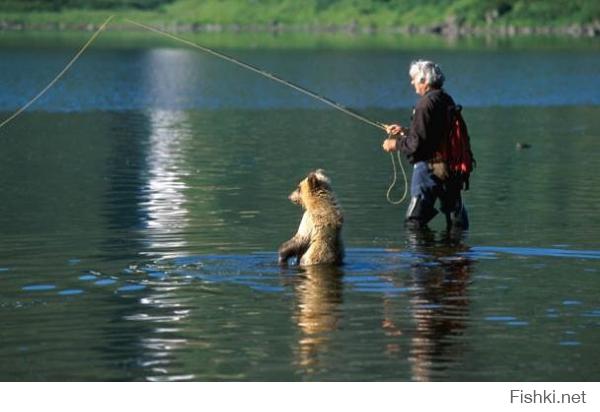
[[419, 213], [458, 220]]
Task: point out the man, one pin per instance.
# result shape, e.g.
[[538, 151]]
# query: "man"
[[421, 143]]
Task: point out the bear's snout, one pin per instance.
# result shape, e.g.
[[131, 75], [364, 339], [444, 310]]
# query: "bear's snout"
[[295, 197]]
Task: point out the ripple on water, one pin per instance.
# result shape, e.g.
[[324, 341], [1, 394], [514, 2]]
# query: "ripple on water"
[[571, 302], [429, 306], [544, 252], [569, 343], [517, 323], [268, 289], [68, 292], [501, 318], [171, 378], [592, 314], [131, 288], [129, 271], [385, 289], [157, 274], [88, 277], [39, 288], [507, 320], [365, 278], [105, 282]]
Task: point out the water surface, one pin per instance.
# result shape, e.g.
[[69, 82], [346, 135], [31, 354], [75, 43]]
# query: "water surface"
[[144, 197]]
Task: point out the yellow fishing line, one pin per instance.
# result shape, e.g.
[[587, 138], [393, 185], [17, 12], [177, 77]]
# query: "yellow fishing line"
[[257, 70], [58, 76], [301, 89]]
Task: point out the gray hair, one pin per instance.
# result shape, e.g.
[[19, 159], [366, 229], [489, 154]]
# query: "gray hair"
[[427, 72]]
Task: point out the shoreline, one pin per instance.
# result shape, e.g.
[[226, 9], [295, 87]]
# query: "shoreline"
[[450, 30]]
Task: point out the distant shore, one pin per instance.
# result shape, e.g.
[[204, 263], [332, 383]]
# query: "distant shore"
[[446, 30], [464, 18]]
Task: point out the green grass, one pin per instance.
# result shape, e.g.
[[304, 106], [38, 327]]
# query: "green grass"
[[374, 13]]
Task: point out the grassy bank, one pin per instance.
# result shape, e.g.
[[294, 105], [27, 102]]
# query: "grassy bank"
[[411, 16]]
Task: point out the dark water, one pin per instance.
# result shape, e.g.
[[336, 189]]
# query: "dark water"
[[143, 198]]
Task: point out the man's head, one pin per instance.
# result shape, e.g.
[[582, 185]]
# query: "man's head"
[[425, 75]]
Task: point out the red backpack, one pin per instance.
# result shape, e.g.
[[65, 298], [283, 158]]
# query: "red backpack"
[[457, 151]]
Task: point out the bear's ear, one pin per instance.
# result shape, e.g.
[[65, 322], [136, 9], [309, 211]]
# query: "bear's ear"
[[320, 173], [313, 181]]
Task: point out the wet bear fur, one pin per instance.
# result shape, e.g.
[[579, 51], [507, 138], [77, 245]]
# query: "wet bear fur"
[[318, 240]]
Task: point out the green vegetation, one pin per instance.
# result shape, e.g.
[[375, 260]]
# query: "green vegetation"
[[61, 5], [313, 14]]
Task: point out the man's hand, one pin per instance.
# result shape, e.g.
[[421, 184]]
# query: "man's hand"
[[390, 145], [395, 132], [394, 129]]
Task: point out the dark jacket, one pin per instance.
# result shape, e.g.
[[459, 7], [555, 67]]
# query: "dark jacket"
[[430, 124]]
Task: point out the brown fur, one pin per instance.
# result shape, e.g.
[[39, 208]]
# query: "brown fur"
[[318, 240]]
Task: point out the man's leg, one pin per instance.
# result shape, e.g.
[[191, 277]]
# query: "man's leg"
[[423, 195], [453, 206]]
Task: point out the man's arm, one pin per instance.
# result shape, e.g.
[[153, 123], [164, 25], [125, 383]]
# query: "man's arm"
[[409, 140], [417, 133]]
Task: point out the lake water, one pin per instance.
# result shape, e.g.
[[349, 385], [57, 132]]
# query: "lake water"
[[142, 201]]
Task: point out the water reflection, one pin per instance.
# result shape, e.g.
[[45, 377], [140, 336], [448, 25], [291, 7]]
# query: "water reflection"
[[165, 78], [439, 303], [165, 202], [162, 206], [425, 307], [163, 311], [317, 313]]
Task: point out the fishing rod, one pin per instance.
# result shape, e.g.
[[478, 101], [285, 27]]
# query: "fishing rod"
[[296, 87]]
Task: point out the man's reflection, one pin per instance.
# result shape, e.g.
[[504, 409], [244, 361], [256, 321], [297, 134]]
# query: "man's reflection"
[[437, 307], [439, 303]]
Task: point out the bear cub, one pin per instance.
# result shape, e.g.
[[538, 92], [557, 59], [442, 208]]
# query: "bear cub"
[[319, 239]]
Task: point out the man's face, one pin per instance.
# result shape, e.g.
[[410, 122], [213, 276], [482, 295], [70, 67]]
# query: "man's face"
[[420, 88]]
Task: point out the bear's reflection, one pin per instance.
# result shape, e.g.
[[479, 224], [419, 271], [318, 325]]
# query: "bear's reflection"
[[420, 329], [318, 295]]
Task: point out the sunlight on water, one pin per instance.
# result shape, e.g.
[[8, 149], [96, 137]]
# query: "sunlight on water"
[[165, 206]]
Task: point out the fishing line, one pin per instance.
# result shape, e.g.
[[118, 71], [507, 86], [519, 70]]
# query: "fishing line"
[[257, 70], [59, 75], [296, 87], [389, 191], [263, 73]]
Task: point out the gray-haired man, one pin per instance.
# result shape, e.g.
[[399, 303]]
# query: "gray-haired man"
[[429, 128]]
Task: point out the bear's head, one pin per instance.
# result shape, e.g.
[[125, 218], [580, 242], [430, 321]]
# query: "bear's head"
[[313, 186]]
